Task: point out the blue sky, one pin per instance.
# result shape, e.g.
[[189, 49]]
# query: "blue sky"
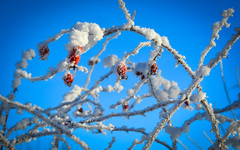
[[187, 24]]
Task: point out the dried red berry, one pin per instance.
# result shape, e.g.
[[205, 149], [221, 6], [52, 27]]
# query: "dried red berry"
[[90, 63], [80, 110], [68, 79], [142, 77], [186, 103], [121, 68], [43, 52], [154, 68], [66, 123], [125, 106]]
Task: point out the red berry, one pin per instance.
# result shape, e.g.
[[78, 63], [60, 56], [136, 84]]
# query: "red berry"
[[43, 52], [121, 68], [74, 55], [80, 110], [186, 103], [68, 79], [142, 77], [66, 123], [154, 68], [125, 106], [74, 59]]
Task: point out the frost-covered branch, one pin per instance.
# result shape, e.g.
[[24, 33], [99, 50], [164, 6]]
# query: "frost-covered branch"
[[93, 61], [140, 130], [111, 143], [125, 11], [4, 141], [37, 114], [71, 114], [128, 114], [215, 128], [225, 88], [216, 28]]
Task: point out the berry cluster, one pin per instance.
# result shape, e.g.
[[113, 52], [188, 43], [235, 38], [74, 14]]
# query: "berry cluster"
[[73, 58]]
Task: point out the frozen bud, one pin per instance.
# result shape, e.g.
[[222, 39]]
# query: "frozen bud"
[[93, 61], [90, 63]]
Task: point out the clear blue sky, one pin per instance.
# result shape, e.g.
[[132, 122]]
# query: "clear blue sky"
[[187, 24]]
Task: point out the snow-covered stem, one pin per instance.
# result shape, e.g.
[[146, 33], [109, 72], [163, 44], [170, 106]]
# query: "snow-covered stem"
[[233, 106], [136, 141], [134, 113], [208, 137], [136, 100], [97, 56], [161, 124], [181, 143], [200, 116], [58, 118], [225, 88], [111, 143], [21, 125], [216, 28], [50, 74], [53, 124], [180, 59], [55, 142], [237, 76], [141, 130], [65, 142], [136, 50], [223, 53], [125, 11], [213, 120], [136, 89], [28, 136], [4, 141], [83, 97], [56, 37], [140, 31], [68, 103], [174, 144], [231, 130], [195, 143]]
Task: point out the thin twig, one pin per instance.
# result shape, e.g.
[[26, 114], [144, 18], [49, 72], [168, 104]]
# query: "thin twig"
[[226, 90], [195, 143], [208, 137]]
